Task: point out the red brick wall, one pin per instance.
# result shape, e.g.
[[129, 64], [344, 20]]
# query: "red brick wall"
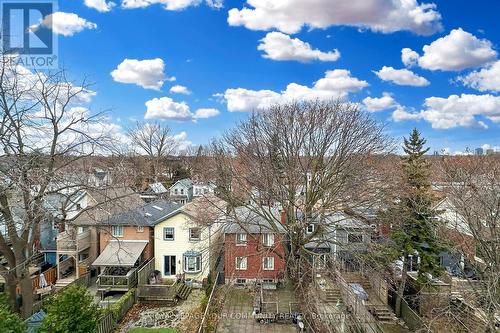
[[130, 233], [254, 251]]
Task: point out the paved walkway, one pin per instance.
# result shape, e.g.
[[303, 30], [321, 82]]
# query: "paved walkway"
[[236, 316]]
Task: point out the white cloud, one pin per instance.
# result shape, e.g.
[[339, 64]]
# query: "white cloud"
[[409, 57], [336, 84], [278, 46], [178, 89], [401, 114], [289, 16], [402, 77], [486, 79], [170, 4], [456, 51], [167, 108], [456, 111], [148, 74], [205, 113], [375, 104], [66, 24], [102, 6]]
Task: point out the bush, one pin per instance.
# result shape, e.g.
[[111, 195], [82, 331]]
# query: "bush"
[[72, 310], [116, 307], [10, 322]]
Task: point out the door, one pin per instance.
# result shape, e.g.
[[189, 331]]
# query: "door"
[[169, 263]]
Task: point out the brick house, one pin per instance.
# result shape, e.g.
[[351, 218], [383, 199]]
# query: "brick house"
[[254, 247]]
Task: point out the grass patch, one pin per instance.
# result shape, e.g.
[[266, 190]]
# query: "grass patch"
[[239, 297], [153, 330]]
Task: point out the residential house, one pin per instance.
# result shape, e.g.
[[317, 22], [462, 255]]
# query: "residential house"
[[154, 191], [254, 247], [188, 242], [339, 236], [126, 240], [201, 189], [182, 191], [78, 238]]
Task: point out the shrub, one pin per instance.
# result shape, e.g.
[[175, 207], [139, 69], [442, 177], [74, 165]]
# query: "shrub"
[[10, 322], [72, 310]]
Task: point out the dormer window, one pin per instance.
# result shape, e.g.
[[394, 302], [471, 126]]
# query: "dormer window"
[[241, 239], [310, 229]]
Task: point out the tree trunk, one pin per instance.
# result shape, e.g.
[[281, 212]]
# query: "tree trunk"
[[401, 290], [26, 293], [11, 285]]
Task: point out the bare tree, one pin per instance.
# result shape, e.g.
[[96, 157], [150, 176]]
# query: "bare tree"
[[306, 159], [44, 131], [156, 141], [472, 184]]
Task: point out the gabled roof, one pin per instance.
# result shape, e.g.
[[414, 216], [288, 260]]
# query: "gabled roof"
[[157, 188], [245, 220], [186, 182], [147, 215]]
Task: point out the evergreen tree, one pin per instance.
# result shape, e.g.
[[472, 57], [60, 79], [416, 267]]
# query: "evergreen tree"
[[71, 310]]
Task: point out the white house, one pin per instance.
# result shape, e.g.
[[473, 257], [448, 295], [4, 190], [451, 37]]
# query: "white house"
[[182, 191], [200, 189], [187, 244]]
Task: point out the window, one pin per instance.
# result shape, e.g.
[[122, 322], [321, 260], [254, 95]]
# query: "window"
[[140, 228], [176, 191], [310, 229], [241, 281], [194, 234], [205, 190], [81, 230], [268, 239], [241, 239], [198, 191], [169, 265], [192, 264], [241, 263], [182, 191], [268, 263], [82, 256], [168, 234], [78, 206], [355, 238], [117, 230]]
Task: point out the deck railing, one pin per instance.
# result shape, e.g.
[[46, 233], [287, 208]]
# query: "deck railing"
[[118, 281], [71, 241]]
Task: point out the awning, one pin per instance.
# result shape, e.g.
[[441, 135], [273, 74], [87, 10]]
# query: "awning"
[[120, 253]]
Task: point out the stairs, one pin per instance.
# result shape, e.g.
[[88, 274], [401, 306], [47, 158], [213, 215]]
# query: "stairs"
[[61, 283], [332, 295], [183, 291], [382, 313]]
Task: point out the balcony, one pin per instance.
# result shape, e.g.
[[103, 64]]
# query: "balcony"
[[113, 280], [70, 241]]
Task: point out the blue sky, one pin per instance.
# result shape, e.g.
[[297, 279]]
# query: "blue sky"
[[212, 58]]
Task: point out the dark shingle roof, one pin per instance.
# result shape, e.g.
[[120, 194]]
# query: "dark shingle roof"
[[147, 215], [245, 220]]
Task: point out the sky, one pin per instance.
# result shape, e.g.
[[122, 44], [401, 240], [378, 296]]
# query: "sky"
[[201, 66]]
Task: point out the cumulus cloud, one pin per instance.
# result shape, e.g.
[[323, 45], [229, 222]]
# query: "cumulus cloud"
[[289, 16], [456, 111], [178, 89], [66, 24], [456, 51], [102, 6], [167, 108], [278, 46], [170, 4], [402, 77], [374, 104], [409, 57], [148, 74], [206, 113], [486, 79], [336, 84]]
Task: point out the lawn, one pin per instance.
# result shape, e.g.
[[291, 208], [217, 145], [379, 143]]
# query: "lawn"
[[153, 330]]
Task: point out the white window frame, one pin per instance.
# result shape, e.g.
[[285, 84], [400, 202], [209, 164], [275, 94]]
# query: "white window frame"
[[308, 232], [268, 260], [194, 238], [243, 263], [198, 264], [268, 239], [243, 240], [114, 229], [165, 233], [140, 228]]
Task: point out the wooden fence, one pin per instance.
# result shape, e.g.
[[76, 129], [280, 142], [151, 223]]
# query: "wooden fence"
[[50, 277], [144, 272], [205, 314], [108, 322]]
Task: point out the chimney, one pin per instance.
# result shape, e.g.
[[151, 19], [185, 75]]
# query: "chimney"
[[283, 217]]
